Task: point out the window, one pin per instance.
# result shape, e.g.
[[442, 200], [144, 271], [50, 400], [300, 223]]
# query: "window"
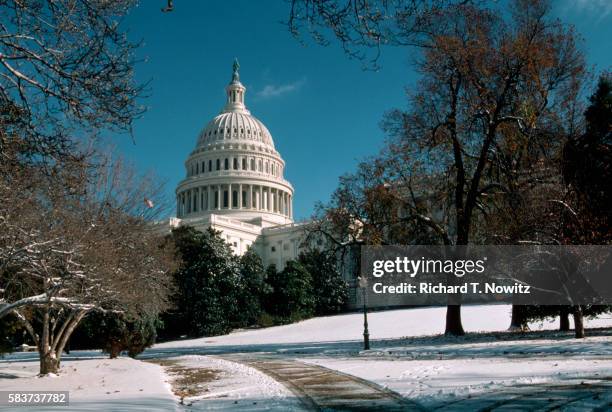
[[210, 165], [286, 246], [218, 164], [234, 198], [235, 163], [252, 164], [197, 168], [244, 163], [203, 167], [226, 164], [260, 168], [244, 198], [235, 244], [225, 198], [273, 249], [216, 199]]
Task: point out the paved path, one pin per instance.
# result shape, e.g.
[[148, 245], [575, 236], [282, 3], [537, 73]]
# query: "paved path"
[[321, 388]]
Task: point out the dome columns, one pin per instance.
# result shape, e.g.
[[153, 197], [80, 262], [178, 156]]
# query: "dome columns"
[[234, 197]]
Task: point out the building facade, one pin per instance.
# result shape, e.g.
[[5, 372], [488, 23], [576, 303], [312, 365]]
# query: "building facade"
[[234, 183]]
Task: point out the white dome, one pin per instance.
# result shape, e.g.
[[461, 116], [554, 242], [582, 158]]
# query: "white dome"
[[235, 169], [237, 127]]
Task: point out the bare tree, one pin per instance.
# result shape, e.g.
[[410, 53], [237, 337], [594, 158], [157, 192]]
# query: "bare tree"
[[75, 231], [363, 27], [481, 76], [65, 65], [495, 90], [85, 243]]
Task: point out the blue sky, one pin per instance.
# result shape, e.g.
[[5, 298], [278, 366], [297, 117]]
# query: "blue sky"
[[322, 109]]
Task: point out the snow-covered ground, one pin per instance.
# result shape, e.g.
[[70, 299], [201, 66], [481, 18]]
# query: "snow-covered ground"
[[94, 384], [436, 371], [236, 386], [409, 355], [434, 383], [382, 325]]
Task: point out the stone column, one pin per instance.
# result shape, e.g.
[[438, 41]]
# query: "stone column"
[[275, 200], [250, 195], [264, 199], [261, 202], [286, 204], [284, 208], [239, 194], [229, 196], [219, 200]]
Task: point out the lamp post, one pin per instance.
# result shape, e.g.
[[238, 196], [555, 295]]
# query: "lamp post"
[[363, 284]]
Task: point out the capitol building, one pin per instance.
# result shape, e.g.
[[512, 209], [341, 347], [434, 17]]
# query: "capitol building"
[[234, 183]]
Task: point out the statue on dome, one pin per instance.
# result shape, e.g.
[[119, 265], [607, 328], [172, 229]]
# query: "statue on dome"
[[235, 67]]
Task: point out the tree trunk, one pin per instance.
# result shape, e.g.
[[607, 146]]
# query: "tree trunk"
[[518, 323], [564, 324], [453, 321], [70, 325], [114, 350], [453, 309], [578, 322], [48, 362]]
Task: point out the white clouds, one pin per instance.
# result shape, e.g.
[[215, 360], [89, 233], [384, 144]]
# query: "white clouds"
[[600, 7], [276, 90]]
